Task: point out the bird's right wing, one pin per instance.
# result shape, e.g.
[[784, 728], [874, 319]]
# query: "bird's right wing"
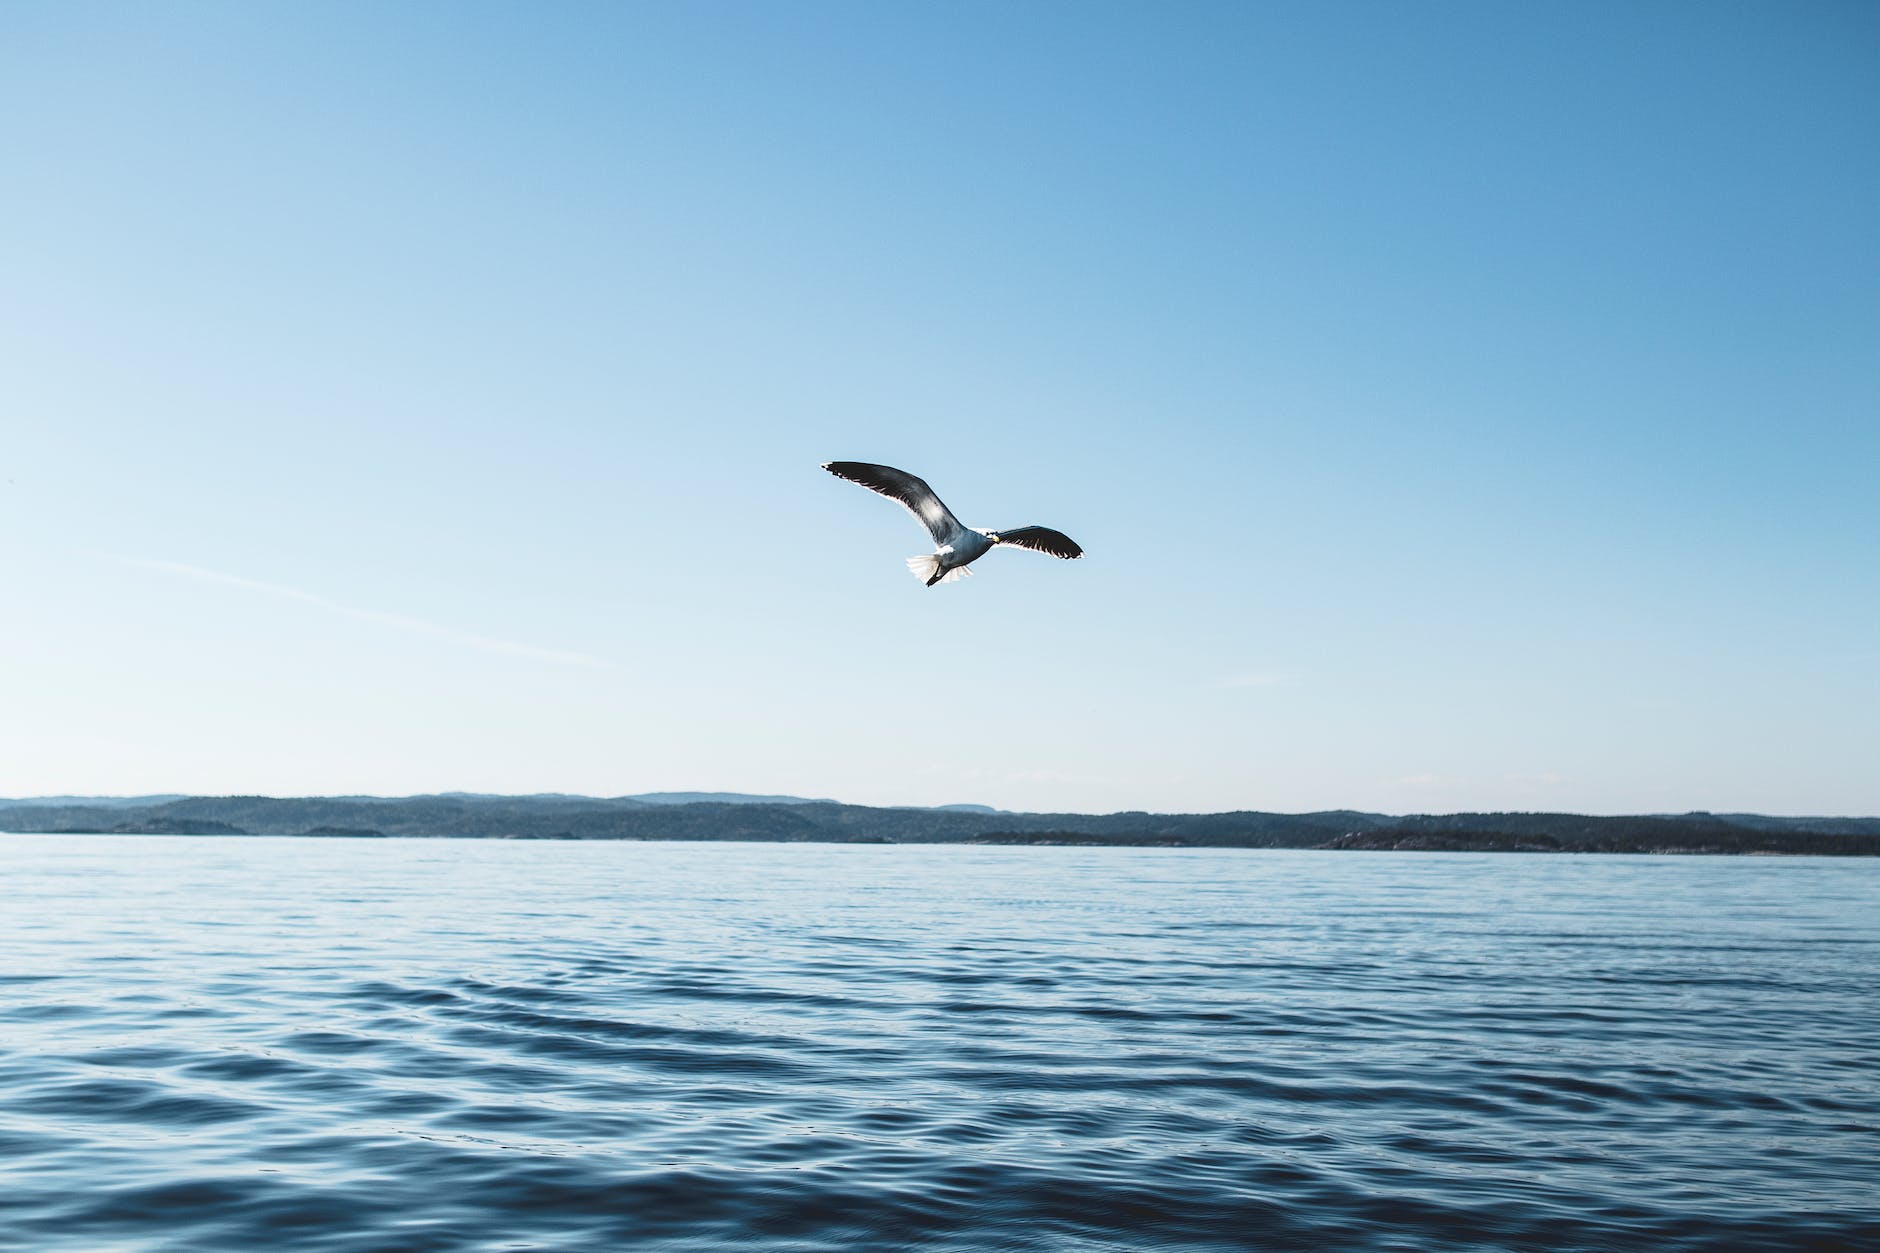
[[1042, 539], [904, 487]]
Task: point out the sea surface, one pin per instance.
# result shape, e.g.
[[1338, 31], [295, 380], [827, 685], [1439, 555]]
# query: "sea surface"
[[278, 1044]]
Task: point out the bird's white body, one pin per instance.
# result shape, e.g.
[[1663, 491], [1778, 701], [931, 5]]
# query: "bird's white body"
[[948, 562]]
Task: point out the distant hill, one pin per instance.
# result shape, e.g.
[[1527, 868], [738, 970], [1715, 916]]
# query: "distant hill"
[[740, 817], [102, 802], [720, 798]]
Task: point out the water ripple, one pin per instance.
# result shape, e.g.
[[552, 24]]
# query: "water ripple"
[[450, 1045]]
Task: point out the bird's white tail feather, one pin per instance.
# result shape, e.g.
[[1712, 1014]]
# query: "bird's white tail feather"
[[923, 567]]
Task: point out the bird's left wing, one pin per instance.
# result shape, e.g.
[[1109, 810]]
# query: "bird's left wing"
[[1042, 539], [904, 487]]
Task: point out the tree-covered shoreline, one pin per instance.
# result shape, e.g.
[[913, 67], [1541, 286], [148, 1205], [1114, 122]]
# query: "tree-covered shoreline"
[[771, 819]]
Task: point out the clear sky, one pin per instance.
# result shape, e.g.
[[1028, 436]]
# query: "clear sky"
[[1462, 405]]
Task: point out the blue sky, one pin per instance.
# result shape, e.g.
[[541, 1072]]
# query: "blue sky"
[[1462, 405]]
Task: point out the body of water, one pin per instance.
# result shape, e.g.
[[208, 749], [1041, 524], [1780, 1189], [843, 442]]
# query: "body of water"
[[245, 1043]]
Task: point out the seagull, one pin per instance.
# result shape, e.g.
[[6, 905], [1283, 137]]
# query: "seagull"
[[956, 546]]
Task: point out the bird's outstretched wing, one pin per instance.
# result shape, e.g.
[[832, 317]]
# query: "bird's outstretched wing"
[[1042, 539], [910, 491]]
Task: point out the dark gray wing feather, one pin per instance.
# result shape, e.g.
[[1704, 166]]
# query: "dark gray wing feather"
[[1042, 539], [910, 491]]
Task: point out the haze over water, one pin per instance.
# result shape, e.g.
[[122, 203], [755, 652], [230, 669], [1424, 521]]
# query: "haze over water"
[[440, 1044]]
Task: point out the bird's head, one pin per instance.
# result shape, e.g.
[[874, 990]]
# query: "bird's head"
[[993, 536]]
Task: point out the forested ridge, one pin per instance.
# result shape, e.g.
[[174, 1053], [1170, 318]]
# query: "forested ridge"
[[774, 819]]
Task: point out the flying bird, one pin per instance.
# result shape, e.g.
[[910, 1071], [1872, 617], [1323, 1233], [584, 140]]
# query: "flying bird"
[[956, 545]]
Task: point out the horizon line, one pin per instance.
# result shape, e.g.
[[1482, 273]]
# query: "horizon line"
[[762, 798]]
